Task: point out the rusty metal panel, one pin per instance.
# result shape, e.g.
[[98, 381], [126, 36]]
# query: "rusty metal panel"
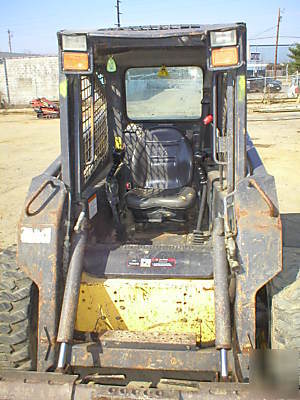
[[98, 355], [40, 238], [153, 305], [148, 338], [19, 385], [259, 241]]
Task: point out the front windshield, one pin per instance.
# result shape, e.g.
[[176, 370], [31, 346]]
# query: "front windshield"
[[164, 93]]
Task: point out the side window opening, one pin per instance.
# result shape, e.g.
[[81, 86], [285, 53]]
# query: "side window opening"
[[94, 123]]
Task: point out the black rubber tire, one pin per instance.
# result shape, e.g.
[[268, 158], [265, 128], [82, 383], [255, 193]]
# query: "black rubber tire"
[[18, 315], [284, 291]]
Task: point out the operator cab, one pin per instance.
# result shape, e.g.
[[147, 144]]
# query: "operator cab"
[[146, 128]]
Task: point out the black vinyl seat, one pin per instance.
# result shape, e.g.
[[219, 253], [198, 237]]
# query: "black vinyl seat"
[[182, 198], [161, 167]]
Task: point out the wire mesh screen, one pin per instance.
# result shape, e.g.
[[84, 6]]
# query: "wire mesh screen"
[[94, 123]]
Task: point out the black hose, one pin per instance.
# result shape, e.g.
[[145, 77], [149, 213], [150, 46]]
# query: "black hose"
[[202, 206], [202, 176]]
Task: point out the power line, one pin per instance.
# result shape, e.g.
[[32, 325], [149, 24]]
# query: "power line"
[[271, 45], [272, 37], [266, 30]]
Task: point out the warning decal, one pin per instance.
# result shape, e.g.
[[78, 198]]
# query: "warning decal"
[[152, 262], [92, 201]]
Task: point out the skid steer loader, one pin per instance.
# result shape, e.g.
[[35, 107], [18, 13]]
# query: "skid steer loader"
[[145, 249]]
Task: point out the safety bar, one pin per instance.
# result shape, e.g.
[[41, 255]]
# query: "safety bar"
[[54, 168], [215, 112]]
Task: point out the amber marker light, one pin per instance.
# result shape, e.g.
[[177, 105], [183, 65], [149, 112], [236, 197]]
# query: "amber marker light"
[[75, 61], [224, 56]]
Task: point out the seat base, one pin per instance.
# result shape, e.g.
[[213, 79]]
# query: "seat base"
[[172, 199], [160, 205]]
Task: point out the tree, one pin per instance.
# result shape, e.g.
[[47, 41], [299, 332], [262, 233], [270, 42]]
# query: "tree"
[[294, 55]]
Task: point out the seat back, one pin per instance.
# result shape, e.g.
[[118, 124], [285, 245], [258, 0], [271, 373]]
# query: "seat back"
[[160, 158]]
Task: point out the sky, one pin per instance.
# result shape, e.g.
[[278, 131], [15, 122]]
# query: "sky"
[[34, 23]]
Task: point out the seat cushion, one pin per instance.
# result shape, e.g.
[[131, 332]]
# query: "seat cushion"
[[159, 158], [143, 199]]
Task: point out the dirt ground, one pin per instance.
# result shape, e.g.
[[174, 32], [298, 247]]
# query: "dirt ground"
[[29, 145]]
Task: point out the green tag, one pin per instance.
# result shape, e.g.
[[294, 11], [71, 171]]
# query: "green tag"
[[63, 88], [241, 87], [111, 65]]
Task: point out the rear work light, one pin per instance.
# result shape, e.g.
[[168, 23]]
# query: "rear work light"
[[223, 38], [74, 42], [75, 61], [224, 57]]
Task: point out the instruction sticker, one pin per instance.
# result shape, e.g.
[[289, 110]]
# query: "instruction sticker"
[[133, 263], [93, 209], [35, 235], [152, 262], [145, 262], [163, 262]]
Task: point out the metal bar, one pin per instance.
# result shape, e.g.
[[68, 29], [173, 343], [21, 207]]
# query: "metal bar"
[[256, 164], [215, 122], [224, 366], [241, 117], [77, 128], [35, 196], [54, 168], [92, 127], [65, 131], [230, 134], [202, 207], [100, 355], [272, 208]]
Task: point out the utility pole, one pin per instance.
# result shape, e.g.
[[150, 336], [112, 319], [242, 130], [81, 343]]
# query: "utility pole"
[[9, 40], [118, 13], [276, 47]]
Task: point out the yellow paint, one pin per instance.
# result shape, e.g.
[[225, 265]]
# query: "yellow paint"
[[140, 305], [118, 143], [63, 88], [241, 87], [163, 72]]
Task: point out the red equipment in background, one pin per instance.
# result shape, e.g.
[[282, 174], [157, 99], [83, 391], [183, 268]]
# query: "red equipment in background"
[[45, 108]]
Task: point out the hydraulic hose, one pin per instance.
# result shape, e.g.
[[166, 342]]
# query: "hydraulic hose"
[[222, 303], [71, 294]]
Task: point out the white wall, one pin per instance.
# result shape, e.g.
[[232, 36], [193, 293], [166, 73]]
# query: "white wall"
[[30, 77]]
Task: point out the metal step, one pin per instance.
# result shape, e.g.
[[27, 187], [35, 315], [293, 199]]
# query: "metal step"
[[148, 340]]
